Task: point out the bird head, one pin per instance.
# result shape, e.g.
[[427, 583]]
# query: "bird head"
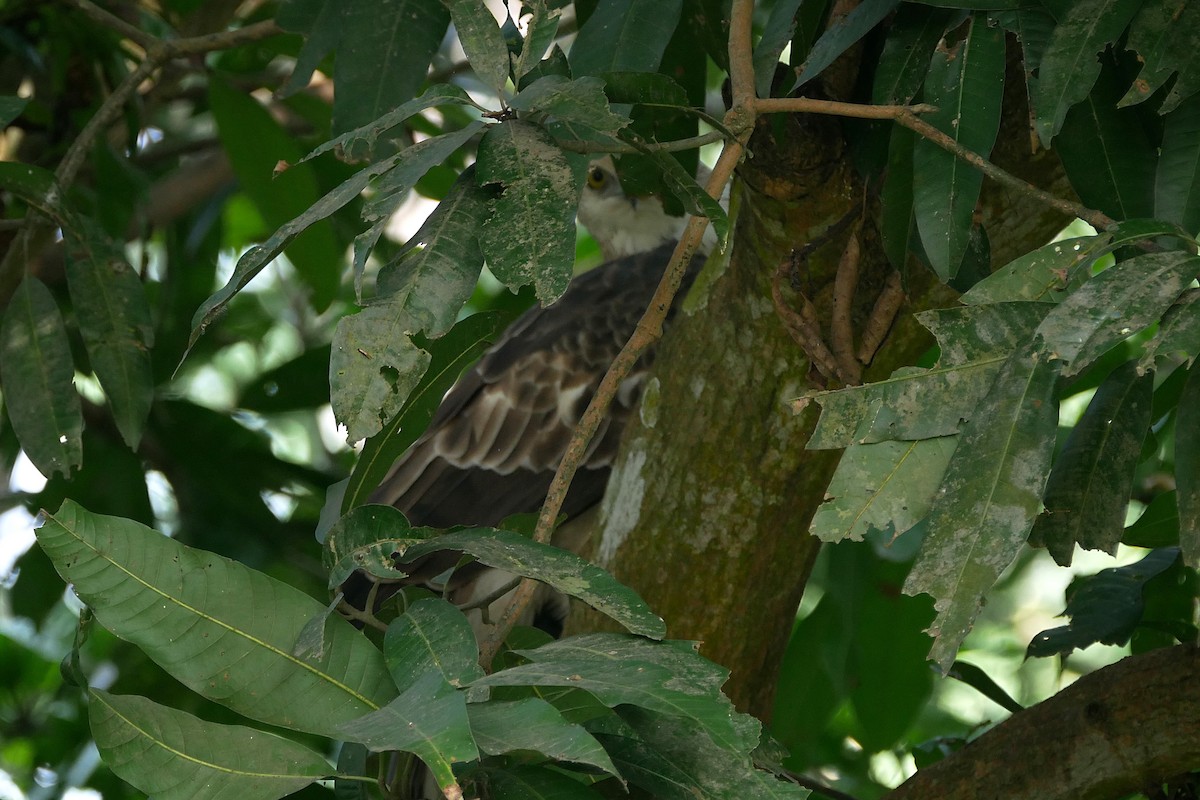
[[622, 224]]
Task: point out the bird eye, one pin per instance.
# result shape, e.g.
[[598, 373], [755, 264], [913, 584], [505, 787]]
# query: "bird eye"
[[596, 178]]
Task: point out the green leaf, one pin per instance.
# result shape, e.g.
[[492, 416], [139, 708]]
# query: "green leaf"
[[887, 486], [1158, 526], [114, 320], [365, 538], [383, 56], [1089, 487], [1069, 66], [1187, 468], [11, 108], [542, 30], [981, 682], [428, 720], [1104, 608], [1113, 306], [896, 199], [672, 759], [364, 137], [220, 628], [560, 569], [839, 37], [536, 783], [481, 40], [1178, 334], [912, 37], [534, 725], [256, 143], [1166, 37], [992, 492], [449, 356], [683, 186], [777, 34], [431, 636], [966, 83], [1177, 182], [530, 237], [1107, 152], [924, 403], [172, 755], [38, 379], [580, 102], [1046, 274], [257, 257], [624, 35], [393, 187], [301, 383]]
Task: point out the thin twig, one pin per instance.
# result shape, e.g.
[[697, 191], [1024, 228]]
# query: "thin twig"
[[841, 324], [491, 597], [809, 105], [621, 148], [887, 307], [111, 20]]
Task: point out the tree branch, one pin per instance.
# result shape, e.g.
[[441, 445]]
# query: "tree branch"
[[1117, 731]]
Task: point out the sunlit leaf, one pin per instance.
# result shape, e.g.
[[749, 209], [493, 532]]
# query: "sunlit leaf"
[[991, 495], [887, 486], [1089, 487], [38, 378], [222, 629], [1045, 274], [530, 237], [173, 755]]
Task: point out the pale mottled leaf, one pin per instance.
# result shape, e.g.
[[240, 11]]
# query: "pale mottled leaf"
[[481, 40]]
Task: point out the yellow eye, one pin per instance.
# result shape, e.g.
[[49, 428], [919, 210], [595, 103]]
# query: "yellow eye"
[[596, 178]]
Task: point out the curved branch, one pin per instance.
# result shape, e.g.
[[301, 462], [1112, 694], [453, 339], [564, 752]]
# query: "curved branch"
[[1117, 731]]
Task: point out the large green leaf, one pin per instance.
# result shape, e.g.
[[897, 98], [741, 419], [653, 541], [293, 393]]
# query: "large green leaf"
[[1089, 487], [992, 492], [1113, 306], [541, 32], [530, 237], [1158, 526], [449, 356], [383, 55], [624, 35], [578, 102], [1107, 152], [1069, 66], [887, 486], [1045, 274], [912, 37], [256, 143], [1177, 182], [1166, 36], [923, 403], [173, 755], [114, 320], [667, 677], [966, 83], [672, 759], [534, 725], [366, 538], [429, 720], [481, 40], [525, 782], [838, 37], [1178, 334], [561, 569], [220, 628], [37, 375], [431, 636], [1187, 468], [1105, 607]]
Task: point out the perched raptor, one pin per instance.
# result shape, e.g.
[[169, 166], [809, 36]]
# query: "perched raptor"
[[492, 447]]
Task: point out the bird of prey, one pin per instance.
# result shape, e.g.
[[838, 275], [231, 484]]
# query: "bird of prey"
[[496, 440]]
